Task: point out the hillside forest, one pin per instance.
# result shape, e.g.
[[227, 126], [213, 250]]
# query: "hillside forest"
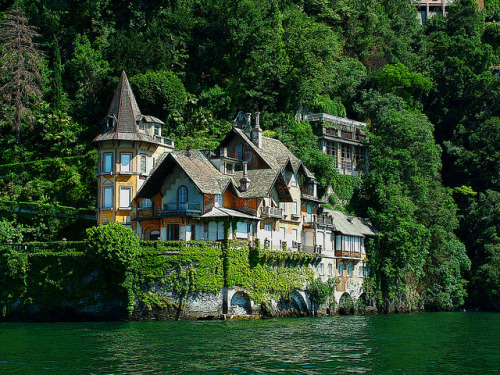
[[428, 94]]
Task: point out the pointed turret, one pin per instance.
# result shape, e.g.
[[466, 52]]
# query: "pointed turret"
[[124, 120], [124, 107], [128, 145]]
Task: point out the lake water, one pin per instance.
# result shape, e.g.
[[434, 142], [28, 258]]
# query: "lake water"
[[423, 343]]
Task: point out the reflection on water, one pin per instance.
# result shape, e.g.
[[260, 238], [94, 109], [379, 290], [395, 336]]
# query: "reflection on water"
[[429, 343]]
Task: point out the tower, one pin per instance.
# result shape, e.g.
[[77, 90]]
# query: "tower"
[[128, 146]]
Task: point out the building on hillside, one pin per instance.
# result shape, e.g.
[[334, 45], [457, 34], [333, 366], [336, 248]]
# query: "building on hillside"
[[128, 145], [429, 8], [340, 239], [253, 182], [343, 139]]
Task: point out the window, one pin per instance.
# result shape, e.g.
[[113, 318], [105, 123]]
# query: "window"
[[107, 162], [144, 166], [330, 269], [229, 168], [110, 122], [321, 269], [295, 234], [268, 227], [172, 232], [338, 243], [349, 270], [330, 148], [293, 180], [282, 206], [182, 197], [107, 197], [146, 203], [346, 156], [126, 222], [363, 245], [239, 152], [340, 269], [126, 162], [218, 200], [360, 271], [294, 208], [157, 130], [125, 197], [141, 125], [241, 229], [155, 235]]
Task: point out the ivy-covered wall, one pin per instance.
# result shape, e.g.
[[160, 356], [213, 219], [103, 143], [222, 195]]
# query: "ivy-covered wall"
[[65, 280]]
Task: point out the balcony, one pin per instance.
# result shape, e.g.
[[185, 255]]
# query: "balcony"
[[272, 212], [165, 141], [347, 254], [326, 220], [175, 208], [317, 249]]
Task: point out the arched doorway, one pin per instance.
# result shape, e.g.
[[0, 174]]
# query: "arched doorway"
[[346, 304], [299, 303], [240, 304]]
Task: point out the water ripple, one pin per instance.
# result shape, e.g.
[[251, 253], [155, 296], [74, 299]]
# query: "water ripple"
[[431, 343]]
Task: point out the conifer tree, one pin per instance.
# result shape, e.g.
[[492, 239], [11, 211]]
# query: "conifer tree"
[[57, 81], [20, 65]]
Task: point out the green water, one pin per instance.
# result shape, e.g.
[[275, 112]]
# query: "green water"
[[425, 343]]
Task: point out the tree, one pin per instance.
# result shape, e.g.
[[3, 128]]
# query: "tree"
[[416, 257], [57, 89], [21, 62]]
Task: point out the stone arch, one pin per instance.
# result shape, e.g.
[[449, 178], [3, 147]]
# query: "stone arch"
[[240, 304], [298, 302], [346, 304]]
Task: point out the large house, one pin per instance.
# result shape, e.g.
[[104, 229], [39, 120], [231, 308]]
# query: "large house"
[[343, 139], [128, 146], [251, 181]]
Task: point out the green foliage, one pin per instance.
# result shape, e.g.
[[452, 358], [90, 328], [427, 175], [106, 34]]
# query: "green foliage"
[[398, 80], [115, 248], [413, 213], [319, 291], [273, 277], [163, 87], [10, 233]]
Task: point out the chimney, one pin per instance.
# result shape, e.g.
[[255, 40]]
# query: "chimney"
[[257, 132], [244, 181], [248, 127]]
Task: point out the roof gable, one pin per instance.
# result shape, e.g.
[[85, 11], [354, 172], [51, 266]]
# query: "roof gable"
[[194, 164]]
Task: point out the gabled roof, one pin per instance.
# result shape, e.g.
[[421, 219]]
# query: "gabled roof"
[[351, 225], [199, 169], [228, 212], [261, 183], [273, 152], [125, 111], [196, 166]]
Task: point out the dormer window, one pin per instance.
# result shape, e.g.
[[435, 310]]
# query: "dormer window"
[[229, 168], [110, 122], [157, 130]]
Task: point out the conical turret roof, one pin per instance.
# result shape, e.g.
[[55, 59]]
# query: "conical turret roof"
[[121, 122], [124, 107]]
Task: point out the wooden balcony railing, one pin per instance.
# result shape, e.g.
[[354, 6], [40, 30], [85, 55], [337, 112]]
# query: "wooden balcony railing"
[[172, 208], [347, 254], [272, 212]]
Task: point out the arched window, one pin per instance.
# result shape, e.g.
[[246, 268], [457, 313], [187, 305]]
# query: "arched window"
[[182, 197]]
